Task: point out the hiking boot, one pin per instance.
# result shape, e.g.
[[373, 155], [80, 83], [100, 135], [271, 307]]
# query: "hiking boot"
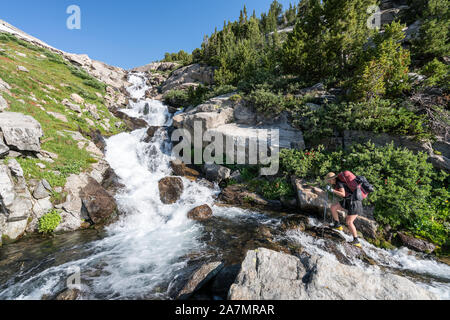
[[337, 226], [356, 243]]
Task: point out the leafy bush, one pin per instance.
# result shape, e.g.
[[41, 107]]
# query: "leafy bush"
[[266, 102], [409, 193], [49, 222], [177, 98], [95, 84], [379, 116], [437, 73], [80, 73], [274, 190]]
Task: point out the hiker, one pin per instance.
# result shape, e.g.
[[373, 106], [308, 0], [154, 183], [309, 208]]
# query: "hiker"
[[349, 203]]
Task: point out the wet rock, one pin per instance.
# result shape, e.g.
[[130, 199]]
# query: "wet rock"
[[151, 131], [100, 205], [416, 244], [239, 196], [202, 276], [21, 132], [69, 295], [216, 173], [200, 213], [294, 222], [180, 169], [270, 275], [111, 181], [131, 123], [170, 189]]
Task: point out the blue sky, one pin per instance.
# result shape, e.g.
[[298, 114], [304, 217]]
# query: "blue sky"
[[127, 33]]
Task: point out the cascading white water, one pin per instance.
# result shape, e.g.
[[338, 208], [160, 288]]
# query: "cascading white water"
[[398, 259], [144, 251]]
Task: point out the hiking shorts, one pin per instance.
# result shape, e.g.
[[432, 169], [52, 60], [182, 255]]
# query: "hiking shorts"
[[353, 207]]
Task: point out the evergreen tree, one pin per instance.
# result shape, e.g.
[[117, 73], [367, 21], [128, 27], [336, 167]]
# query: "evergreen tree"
[[328, 38], [384, 67], [433, 39]]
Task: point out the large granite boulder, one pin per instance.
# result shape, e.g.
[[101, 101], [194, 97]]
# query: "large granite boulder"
[[270, 275], [21, 132], [157, 66], [216, 173], [170, 189], [180, 169], [193, 74], [100, 205], [200, 213], [201, 277], [73, 211], [416, 244]]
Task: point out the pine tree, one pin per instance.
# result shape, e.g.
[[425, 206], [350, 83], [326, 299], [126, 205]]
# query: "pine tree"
[[384, 68], [433, 39]]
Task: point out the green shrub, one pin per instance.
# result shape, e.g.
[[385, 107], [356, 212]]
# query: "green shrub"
[[177, 98], [266, 102], [379, 116], [409, 193], [274, 190], [95, 84], [49, 222], [437, 73]]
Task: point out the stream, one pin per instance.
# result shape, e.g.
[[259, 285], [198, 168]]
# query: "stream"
[[152, 248]]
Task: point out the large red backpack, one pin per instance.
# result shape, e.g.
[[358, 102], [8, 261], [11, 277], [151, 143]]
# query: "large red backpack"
[[351, 181]]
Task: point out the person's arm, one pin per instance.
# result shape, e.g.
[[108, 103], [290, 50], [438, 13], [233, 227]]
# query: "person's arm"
[[340, 192]]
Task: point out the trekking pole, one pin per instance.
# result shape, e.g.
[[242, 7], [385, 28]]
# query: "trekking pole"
[[325, 213]]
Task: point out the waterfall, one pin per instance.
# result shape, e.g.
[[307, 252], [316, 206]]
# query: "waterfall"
[[140, 255]]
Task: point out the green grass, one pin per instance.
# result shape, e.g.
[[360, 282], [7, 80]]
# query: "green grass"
[[47, 71]]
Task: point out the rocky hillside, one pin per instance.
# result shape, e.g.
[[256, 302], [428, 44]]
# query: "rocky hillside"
[[54, 112]]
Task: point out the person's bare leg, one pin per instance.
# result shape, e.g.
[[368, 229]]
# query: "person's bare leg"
[[334, 211], [350, 224]]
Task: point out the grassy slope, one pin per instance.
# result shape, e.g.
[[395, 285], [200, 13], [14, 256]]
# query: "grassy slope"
[[48, 71]]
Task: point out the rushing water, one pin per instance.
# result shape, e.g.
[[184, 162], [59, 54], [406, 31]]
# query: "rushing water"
[[152, 246]]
